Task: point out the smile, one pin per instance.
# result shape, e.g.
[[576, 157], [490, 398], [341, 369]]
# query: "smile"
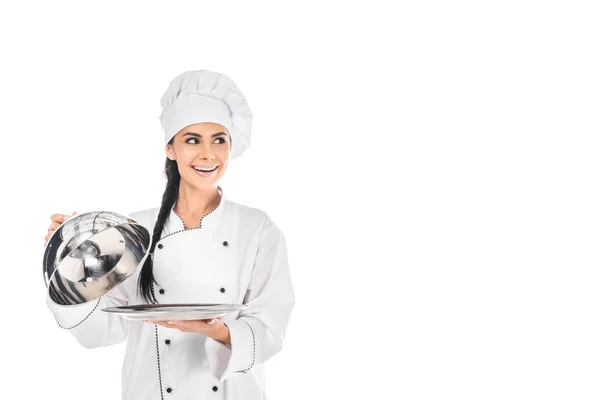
[[205, 172], [208, 169]]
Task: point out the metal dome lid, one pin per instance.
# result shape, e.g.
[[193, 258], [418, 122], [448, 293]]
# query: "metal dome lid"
[[90, 254]]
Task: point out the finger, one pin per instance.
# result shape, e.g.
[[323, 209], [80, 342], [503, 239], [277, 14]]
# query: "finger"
[[184, 326], [57, 217], [54, 225], [202, 324], [166, 324], [57, 220], [60, 218], [213, 323], [48, 236]]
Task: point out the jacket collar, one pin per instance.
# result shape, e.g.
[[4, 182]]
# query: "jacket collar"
[[208, 221]]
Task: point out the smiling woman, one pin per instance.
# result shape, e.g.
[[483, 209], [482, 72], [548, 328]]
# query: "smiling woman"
[[205, 250]]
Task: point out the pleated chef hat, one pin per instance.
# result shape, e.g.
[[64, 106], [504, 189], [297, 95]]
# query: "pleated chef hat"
[[206, 96]]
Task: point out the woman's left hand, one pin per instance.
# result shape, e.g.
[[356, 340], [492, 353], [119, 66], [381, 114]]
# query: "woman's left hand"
[[214, 328]]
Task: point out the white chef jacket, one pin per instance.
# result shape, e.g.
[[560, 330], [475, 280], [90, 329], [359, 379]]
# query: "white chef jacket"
[[237, 255]]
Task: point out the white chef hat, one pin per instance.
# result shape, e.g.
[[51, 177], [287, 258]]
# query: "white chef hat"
[[206, 96]]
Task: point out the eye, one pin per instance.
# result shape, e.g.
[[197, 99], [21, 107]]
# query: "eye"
[[188, 141], [221, 138]]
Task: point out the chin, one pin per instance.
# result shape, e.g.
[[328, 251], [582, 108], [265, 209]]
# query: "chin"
[[203, 183]]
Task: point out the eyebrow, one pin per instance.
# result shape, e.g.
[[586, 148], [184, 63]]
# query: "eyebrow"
[[198, 135]]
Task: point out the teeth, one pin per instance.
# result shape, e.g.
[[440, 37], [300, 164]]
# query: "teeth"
[[206, 170]]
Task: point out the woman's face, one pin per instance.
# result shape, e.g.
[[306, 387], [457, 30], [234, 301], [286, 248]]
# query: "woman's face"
[[201, 146]]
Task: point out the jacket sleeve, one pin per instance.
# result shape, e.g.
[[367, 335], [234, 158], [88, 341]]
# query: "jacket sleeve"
[[91, 326], [258, 333]]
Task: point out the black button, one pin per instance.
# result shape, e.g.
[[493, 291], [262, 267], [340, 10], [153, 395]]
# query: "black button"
[[167, 341], [169, 390], [222, 290], [161, 291], [160, 245], [215, 388], [225, 243]]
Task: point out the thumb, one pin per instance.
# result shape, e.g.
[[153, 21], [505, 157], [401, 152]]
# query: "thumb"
[[215, 323]]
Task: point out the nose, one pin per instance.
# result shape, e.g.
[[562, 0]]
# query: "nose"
[[206, 152]]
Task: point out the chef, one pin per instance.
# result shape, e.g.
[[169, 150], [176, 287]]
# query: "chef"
[[205, 249]]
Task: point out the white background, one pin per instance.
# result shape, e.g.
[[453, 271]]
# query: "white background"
[[433, 166]]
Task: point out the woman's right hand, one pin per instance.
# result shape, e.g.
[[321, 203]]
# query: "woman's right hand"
[[57, 220]]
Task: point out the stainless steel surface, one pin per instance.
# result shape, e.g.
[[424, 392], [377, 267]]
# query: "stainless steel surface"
[[91, 253], [173, 316], [181, 307], [170, 312]]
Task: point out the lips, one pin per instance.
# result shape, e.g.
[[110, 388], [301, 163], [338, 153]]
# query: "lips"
[[205, 174]]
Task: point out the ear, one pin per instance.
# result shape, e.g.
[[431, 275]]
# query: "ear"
[[169, 151]]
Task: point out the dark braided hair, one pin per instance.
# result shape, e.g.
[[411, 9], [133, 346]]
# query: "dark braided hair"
[[169, 198]]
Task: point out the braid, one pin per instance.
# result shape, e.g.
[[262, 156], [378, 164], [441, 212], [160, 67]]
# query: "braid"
[[168, 200]]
